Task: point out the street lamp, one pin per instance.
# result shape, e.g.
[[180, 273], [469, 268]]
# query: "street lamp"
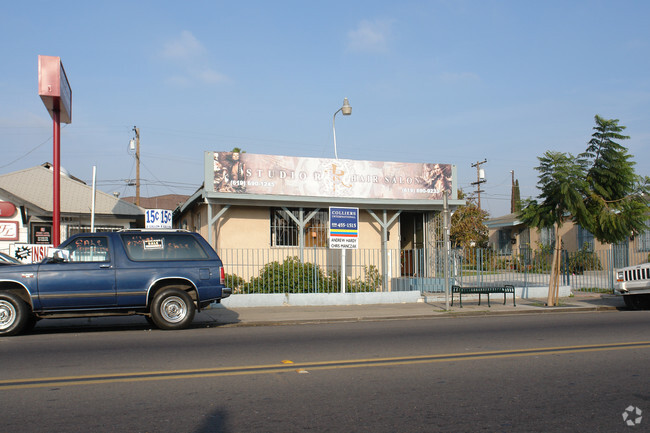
[[346, 109]]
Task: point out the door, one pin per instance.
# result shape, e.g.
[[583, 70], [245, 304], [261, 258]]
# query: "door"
[[411, 230], [86, 280]]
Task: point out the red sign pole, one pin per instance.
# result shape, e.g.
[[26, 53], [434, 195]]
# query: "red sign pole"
[[56, 205], [54, 90]]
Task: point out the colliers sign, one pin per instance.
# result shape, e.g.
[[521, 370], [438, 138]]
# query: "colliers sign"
[[246, 173]]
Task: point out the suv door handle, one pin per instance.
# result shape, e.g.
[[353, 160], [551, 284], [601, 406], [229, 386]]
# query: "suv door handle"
[[105, 266]]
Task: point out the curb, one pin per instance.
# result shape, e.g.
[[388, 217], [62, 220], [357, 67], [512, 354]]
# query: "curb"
[[438, 315]]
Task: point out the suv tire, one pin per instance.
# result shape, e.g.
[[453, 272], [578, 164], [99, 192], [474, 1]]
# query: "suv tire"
[[637, 302], [14, 314], [172, 308]]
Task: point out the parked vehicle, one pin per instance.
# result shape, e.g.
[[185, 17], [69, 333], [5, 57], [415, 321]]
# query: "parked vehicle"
[[6, 259], [633, 282], [163, 275]]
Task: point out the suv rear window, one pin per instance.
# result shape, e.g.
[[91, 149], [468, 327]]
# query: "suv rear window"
[[162, 246]]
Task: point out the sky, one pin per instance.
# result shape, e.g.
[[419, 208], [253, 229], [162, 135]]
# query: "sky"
[[452, 82]]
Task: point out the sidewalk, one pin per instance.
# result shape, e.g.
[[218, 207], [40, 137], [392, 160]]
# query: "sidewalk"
[[431, 308], [260, 316]]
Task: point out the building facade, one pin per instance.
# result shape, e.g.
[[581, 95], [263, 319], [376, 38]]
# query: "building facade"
[[279, 206], [26, 226]]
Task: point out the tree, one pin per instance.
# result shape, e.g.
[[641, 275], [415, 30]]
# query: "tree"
[[516, 197], [614, 199], [598, 190], [562, 184], [468, 225]]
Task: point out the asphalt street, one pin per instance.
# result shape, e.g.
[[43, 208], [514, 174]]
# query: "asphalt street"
[[480, 372]]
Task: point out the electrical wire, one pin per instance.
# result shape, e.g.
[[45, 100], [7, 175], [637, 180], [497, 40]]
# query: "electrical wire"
[[49, 139]]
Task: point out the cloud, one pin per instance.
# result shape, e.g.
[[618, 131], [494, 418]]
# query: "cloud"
[[370, 36], [191, 60], [186, 46]]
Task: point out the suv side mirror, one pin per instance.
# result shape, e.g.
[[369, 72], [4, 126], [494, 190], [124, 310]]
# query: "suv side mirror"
[[58, 256]]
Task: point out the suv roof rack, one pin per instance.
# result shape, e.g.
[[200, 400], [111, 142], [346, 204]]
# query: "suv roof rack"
[[155, 230]]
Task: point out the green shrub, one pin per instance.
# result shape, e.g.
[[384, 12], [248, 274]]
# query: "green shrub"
[[290, 276], [583, 260], [235, 282], [369, 283]]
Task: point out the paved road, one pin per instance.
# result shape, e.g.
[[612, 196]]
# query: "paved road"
[[549, 372]]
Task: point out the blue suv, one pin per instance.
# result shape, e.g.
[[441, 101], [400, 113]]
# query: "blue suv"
[[163, 275]]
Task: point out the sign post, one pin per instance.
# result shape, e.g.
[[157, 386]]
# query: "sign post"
[[54, 90], [344, 233]]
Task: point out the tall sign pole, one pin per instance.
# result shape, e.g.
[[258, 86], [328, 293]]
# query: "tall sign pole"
[[56, 160], [54, 90]]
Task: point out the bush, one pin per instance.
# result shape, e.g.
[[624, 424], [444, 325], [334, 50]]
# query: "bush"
[[291, 276], [235, 282], [583, 260], [369, 283]]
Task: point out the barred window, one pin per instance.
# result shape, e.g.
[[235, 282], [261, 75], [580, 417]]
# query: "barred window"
[[644, 240], [585, 238], [505, 246], [547, 236], [285, 231]]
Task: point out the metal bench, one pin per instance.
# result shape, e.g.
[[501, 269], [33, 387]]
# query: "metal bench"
[[505, 289]]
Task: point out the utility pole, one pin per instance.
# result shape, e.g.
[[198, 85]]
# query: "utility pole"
[[512, 193], [479, 180], [137, 165]]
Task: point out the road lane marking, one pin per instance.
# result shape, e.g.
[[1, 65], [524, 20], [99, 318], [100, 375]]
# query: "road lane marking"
[[49, 382]]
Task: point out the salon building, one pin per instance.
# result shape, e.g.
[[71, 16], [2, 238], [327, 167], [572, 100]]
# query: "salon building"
[[255, 209]]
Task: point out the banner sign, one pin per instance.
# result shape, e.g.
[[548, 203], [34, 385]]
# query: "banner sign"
[[245, 173], [29, 253], [344, 228], [8, 230], [158, 219]]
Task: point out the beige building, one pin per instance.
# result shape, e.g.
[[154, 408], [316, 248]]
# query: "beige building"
[[271, 207], [507, 234]]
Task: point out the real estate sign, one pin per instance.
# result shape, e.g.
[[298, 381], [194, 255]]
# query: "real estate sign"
[[344, 228]]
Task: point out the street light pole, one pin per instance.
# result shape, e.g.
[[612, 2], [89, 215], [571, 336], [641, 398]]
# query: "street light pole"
[[346, 109]]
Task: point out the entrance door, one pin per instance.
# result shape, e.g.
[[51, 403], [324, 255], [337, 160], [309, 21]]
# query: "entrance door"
[[411, 228]]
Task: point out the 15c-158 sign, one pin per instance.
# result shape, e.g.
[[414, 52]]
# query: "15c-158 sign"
[[158, 219], [344, 228]]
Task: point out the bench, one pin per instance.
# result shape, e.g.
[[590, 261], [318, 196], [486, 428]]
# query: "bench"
[[505, 289]]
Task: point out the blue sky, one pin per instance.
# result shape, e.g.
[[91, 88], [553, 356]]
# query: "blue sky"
[[429, 81]]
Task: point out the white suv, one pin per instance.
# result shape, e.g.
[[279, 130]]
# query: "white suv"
[[633, 283]]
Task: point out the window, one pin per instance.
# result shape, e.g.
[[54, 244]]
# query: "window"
[[643, 241], [505, 246], [286, 233], [547, 236], [144, 247], [524, 238], [585, 239], [88, 249]]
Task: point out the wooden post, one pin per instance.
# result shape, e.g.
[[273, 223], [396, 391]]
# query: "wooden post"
[[553, 281]]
